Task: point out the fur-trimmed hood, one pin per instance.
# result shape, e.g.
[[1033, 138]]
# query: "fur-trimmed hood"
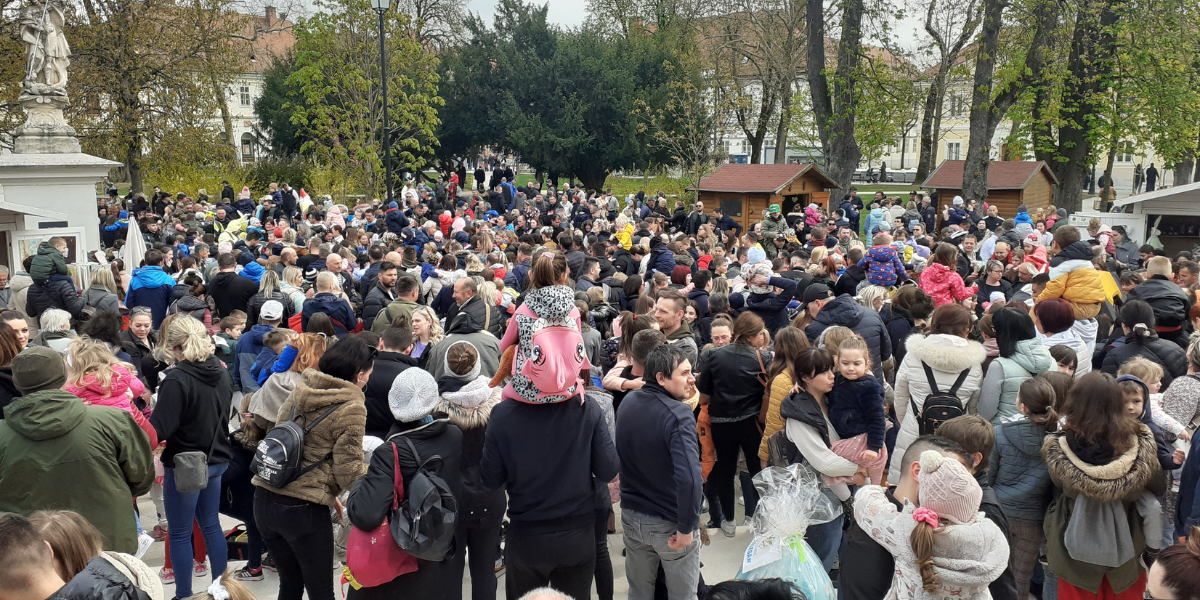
[[470, 406], [1122, 479], [945, 352]]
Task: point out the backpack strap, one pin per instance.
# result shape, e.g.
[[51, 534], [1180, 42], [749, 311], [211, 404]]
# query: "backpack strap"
[[929, 378], [958, 382], [309, 427], [417, 456]]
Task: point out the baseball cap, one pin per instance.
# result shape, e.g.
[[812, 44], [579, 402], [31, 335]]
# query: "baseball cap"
[[774, 209], [272, 310], [815, 292]]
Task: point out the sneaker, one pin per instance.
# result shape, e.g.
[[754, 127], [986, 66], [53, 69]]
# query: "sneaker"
[[246, 574], [199, 569], [729, 528], [712, 524], [499, 566], [144, 543], [746, 521], [159, 534], [167, 575], [268, 563]]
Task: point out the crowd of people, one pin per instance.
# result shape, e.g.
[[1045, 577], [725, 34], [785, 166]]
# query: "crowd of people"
[[486, 379]]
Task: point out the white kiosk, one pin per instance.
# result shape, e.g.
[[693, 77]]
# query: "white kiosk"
[[1174, 212]]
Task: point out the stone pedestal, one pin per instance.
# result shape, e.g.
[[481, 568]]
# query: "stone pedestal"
[[45, 131], [42, 195]]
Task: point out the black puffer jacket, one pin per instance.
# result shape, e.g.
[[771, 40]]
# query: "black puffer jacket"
[[55, 293], [1167, 299], [254, 306], [1155, 349], [844, 311], [900, 325]]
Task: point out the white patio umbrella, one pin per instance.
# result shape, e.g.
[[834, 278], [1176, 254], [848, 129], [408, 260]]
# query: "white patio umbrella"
[[135, 247]]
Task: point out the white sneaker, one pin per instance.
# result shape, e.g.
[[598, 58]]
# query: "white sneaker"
[[144, 543], [747, 521], [729, 528]]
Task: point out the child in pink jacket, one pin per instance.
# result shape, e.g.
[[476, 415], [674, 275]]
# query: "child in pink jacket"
[[98, 378]]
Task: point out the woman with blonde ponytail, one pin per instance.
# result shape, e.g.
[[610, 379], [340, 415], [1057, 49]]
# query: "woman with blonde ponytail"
[[945, 549]]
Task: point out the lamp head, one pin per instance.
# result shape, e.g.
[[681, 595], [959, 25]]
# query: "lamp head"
[[381, 5]]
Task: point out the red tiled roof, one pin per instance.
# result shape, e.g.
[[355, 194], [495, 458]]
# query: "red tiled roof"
[[1002, 174], [758, 178]]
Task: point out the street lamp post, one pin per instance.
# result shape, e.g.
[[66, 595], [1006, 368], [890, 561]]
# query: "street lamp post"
[[380, 7]]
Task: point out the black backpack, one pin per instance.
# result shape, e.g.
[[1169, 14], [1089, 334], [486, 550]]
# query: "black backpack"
[[277, 457], [424, 524], [939, 406]]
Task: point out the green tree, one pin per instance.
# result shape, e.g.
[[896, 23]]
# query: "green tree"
[[340, 110], [274, 108]]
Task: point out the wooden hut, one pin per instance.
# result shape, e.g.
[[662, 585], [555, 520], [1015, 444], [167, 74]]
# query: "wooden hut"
[[1010, 184], [744, 191]]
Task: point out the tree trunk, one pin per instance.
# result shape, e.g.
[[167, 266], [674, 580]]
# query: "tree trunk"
[[128, 113], [1092, 48], [928, 153], [1183, 170], [226, 118], [846, 153], [818, 84], [593, 179], [785, 116], [987, 111]]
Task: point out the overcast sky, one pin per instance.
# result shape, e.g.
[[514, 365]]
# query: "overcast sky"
[[569, 13]]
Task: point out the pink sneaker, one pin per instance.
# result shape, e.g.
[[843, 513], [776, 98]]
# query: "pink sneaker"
[[167, 575], [199, 569]]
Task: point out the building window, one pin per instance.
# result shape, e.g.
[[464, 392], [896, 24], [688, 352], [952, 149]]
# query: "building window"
[[245, 94], [1125, 154], [247, 147], [953, 150]]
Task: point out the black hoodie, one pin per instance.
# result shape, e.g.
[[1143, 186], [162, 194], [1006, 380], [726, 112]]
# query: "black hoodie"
[[193, 411]]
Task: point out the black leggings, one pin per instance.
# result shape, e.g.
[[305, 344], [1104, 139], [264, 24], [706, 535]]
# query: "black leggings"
[[299, 536], [727, 439], [604, 568], [478, 541]]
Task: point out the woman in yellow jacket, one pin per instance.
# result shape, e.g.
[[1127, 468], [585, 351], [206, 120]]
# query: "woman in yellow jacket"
[[788, 343]]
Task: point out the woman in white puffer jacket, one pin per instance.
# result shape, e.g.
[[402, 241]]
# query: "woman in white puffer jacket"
[[947, 352]]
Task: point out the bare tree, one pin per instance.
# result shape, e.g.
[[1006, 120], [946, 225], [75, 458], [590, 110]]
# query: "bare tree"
[[950, 25], [834, 108]]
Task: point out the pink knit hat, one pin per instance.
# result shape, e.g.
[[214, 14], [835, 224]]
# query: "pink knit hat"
[[948, 489]]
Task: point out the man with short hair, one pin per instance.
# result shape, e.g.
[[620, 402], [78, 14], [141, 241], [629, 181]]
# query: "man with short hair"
[[591, 272], [27, 569], [726, 224], [467, 301], [404, 302], [393, 359], [345, 281], [669, 309], [228, 290], [1170, 303], [661, 479], [828, 311], [380, 294], [334, 306], [1187, 274], [993, 219], [59, 453], [464, 327], [518, 277], [871, 577], [151, 287]]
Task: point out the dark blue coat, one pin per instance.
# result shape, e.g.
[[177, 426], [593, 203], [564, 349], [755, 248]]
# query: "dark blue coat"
[[1018, 472], [772, 308], [396, 221], [335, 308], [856, 407]]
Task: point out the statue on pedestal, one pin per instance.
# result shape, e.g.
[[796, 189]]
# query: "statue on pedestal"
[[44, 89]]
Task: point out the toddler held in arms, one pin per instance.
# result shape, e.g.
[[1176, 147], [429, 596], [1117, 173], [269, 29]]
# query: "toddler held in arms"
[[856, 411]]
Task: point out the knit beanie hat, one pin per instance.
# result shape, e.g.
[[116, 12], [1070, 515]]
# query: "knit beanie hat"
[[755, 255], [948, 489], [413, 396], [38, 368]]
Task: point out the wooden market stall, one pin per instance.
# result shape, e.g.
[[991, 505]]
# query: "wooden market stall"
[[1171, 213], [744, 191], [1010, 184]]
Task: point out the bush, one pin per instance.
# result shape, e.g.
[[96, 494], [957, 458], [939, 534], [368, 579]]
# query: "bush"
[[292, 170]]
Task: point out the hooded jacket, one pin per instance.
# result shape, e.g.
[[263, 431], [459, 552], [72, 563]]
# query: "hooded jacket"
[[56, 452], [947, 356], [254, 306], [874, 218], [58, 292], [388, 365], [883, 266], [486, 316], [1121, 479], [966, 557], [249, 345], [661, 259], [944, 285], [193, 411], [469, 408], [100, 298], [340, 434], [48, 261], [1073, 279], [198, 309], [998, 399], [464, 328], [153, 288], [1017, 471], [336, 308], [112, 576], [844, 311]]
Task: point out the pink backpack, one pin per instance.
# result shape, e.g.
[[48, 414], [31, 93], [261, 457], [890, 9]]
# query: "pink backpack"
[[555, 361]]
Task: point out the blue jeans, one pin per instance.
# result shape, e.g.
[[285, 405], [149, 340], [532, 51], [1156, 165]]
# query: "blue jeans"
[[825, 540], [201, 506]]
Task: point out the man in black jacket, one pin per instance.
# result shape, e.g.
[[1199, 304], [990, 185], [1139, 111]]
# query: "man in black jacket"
[[229, 290], [549, 456], [870, 578], [1170, 303], [380, 295], [661, 487], [392, 360], [467, 301]]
